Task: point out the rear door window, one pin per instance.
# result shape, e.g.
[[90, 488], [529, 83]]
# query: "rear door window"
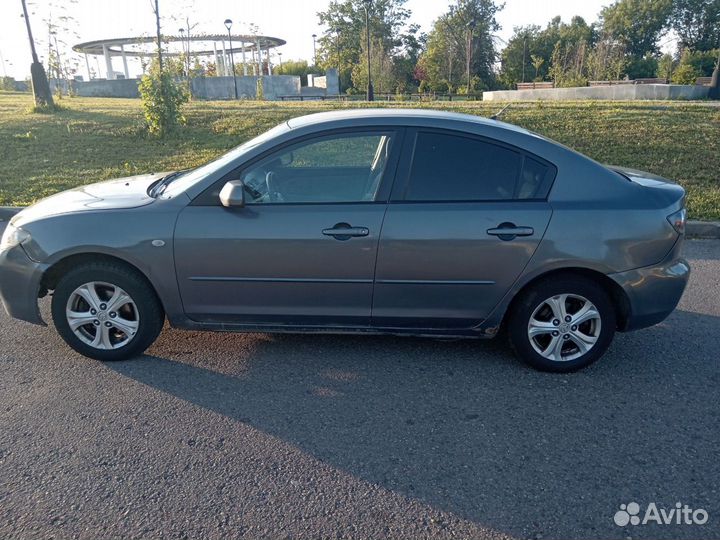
[[449, 167]]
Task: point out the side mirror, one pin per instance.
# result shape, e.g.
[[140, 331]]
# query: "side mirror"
[[232, 195]]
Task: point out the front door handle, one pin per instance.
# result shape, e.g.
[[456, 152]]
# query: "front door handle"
[[508, 231], [345, 231]]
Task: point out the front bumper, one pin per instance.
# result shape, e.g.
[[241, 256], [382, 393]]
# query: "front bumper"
[[19, 285], [653, 291]]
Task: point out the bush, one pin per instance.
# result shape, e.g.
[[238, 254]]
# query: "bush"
[[162, 100], [702, 61], [685, 74], [642, 68], [7, 84]]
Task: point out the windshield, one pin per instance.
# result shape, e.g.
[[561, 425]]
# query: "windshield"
[[190, 178]]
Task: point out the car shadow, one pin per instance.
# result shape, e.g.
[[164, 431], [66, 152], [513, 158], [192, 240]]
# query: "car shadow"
[[464, 427]]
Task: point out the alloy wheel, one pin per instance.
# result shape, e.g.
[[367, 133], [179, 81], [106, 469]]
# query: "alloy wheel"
[[102, 315], [564, 327]]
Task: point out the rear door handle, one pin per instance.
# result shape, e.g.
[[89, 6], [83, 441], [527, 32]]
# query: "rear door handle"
[[508, 231], [345, 231]]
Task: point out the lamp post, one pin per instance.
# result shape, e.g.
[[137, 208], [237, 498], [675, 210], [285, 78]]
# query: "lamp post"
[[228, 25], [314, 36], [280, 61], [471, 29], [370, 91]]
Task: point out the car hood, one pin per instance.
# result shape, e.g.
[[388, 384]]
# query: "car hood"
[[122, 193]]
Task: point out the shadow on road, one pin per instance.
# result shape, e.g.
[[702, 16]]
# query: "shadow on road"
[[464, 427]]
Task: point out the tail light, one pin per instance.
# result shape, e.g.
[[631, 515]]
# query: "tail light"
[[678, 220]]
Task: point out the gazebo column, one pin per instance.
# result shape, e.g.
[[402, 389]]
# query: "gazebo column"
[[109, 74], [243, 57], [217, 60], [125, 67], [87, 64]]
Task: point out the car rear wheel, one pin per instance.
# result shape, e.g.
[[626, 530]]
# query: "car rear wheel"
[[106, 311], [562, 324]]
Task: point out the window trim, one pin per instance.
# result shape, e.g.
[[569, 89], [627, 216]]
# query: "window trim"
[[205, 198], [402, 180]]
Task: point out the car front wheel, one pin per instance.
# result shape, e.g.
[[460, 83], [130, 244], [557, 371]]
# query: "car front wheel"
[[562, 324], [106, 311]]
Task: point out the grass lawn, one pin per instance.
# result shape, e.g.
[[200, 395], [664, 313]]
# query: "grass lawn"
[[98, 138]]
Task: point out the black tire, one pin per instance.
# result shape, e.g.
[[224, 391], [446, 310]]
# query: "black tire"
[[532, 298], [150, 311]]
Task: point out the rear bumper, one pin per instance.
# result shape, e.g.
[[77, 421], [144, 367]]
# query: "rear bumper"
[[653, 291], [19, 285]]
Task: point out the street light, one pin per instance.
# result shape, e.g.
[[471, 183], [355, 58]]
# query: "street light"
[[370, 92], [314, 36], [280, 60], [228, 25], [471, 28]]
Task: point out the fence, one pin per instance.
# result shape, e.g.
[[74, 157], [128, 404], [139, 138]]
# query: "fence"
[[386, 97]]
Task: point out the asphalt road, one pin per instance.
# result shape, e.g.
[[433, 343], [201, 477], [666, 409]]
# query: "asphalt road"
[[221, 435]]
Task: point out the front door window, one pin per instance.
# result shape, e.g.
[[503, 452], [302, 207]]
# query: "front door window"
[[344, 168]]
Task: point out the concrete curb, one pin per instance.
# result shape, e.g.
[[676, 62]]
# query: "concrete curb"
[[703, 229], [693, 229]]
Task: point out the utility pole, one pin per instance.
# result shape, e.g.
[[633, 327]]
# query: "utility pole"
[[471, 29], [524, 56], [370, 91], [159, 37], [41, 87]]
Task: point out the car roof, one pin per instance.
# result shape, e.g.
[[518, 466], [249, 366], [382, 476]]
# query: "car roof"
[[413, 117]]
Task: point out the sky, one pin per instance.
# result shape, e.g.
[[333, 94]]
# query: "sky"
[[292, 20]]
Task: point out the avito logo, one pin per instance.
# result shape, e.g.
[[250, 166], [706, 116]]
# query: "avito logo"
[[680, 514]]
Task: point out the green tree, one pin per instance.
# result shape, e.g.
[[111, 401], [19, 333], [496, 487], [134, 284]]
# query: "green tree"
[[637, 24], [516, 59], [531, 41], [538, 62], [606, 61], [568, 67], [162, 99], [161, 96], [666, 66], [465, 32], [381, 69], [341, 44], [702, 62], [685, 74], [697, 23]]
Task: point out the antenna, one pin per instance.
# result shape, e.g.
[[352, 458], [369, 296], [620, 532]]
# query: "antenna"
[[498, 114]]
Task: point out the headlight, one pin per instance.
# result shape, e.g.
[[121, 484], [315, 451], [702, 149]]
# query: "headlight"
[[12, 237]]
